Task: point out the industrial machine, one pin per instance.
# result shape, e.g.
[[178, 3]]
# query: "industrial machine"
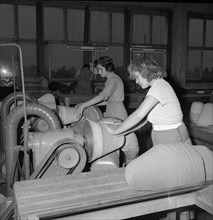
[[39, 142], [58, 150]]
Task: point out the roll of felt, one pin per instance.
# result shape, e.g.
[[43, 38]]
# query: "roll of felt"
[[172, 165], [195, 110]]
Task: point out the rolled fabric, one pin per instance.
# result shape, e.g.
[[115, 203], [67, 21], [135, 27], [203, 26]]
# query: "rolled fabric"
[[207, 156], [206, 116], [131, 147], [195, 110], [67, 115], [167, 166], [48, 100]]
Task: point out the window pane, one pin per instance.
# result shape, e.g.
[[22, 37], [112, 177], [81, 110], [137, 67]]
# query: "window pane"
[[29, 59], [75, 25], [27, 22], [62, 62], [117, 27], [160, 58], [195, 32], [159, 30], [53, 23], [6, 21], [116, 53], [209, 33], [194, 60], [9, 65], [208, 65], [140, 29], [99, 26]]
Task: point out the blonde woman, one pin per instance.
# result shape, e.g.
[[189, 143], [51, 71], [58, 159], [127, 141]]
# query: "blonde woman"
[[161, 106]]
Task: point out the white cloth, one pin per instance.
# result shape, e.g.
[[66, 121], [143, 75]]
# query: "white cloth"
[[166, 127], [168, 110], [48, 100], [206, 116]]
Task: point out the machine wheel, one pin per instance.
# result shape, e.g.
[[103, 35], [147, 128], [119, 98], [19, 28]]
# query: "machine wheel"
[[66, 155]]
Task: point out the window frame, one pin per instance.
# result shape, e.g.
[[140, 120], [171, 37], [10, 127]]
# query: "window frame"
[[193, 83], [150, 47], [16, 38], [126, 9]]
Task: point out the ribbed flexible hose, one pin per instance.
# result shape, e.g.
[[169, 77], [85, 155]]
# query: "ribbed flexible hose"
[[5, 110], [13, 120]]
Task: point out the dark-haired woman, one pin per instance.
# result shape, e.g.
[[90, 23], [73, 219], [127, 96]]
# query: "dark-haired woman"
[[112, 96], [113, 93], [161, 105]]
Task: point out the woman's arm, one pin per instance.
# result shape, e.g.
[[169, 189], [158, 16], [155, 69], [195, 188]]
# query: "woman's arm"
[[79, 108], [146, 106], [92, 101]]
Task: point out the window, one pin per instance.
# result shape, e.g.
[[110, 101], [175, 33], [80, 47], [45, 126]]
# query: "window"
[[27, 22], [117, 27], [65, 25], [6, 21], [10, 73], [99, 31], [107, 28], [140, 35], [53, 23], [25, 35], [200, 49], [150, 37], [159, 30], [62, 62], [75, 26], [29, 59], [27, 39]]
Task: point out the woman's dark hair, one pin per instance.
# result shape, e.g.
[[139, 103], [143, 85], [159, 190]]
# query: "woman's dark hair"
[[86, 65], [148, 68], [56, 86], [53, 86], [95, 63], [106, 62]]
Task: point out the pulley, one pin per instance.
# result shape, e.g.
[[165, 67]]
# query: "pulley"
[[68, 156], [98, 140]]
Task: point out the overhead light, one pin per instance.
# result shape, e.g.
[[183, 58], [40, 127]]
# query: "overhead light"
[[87, 48], [139, 49], [5, 72]]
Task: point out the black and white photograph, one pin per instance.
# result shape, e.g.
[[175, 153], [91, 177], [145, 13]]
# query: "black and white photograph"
[[106, 110]]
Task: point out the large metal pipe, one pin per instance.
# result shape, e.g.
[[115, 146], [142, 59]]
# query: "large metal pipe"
[[5, 110], [13, 120], [25, 127]]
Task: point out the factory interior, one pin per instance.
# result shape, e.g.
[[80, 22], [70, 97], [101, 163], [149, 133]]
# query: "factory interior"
[[55, 164]]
